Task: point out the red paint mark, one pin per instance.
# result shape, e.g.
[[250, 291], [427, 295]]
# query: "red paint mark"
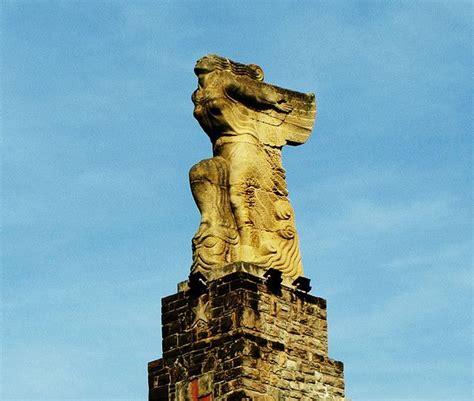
[[195, 392]]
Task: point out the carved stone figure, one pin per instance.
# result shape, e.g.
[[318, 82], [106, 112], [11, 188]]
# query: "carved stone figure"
[[241, 191]]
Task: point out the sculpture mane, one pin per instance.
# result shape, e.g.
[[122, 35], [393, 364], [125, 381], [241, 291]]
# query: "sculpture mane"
[[224, 64]]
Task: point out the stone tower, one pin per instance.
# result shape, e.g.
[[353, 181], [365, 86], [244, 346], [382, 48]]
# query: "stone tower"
[[244, 326]]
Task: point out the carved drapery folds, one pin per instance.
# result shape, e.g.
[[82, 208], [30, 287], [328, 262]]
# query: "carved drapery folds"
[[241, 191]]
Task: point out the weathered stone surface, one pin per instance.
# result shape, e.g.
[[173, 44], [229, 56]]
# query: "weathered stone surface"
[[241, 191], [241, 340]]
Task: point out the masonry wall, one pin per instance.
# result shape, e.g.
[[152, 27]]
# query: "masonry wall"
[[240, 340]]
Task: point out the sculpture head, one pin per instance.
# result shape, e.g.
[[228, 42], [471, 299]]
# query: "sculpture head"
[[213, 62]]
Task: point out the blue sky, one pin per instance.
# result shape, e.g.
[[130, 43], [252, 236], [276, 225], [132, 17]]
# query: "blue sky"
[[98, 137]]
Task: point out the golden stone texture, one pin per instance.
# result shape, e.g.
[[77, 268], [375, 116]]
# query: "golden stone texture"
[[241, 191]]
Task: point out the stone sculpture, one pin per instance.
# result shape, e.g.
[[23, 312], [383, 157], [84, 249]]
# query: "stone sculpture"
[[241, 191]]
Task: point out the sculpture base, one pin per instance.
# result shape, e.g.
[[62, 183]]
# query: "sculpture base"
[[240, 339], [236, 267]]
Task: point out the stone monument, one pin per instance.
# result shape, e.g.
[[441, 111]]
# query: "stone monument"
[[244, 326]]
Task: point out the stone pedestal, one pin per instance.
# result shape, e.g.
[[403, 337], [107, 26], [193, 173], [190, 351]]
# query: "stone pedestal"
[[241, 339]]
